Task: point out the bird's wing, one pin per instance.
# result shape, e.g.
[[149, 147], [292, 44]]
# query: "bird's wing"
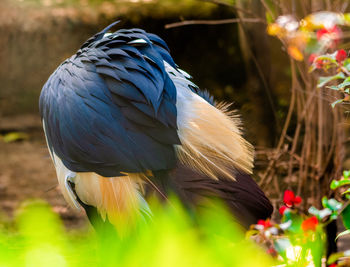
[[111, 108]]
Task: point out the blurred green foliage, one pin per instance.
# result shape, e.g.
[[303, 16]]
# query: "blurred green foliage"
[[38, 238]]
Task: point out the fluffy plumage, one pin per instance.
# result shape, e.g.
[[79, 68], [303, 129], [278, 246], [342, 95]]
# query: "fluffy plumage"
[[110, 108], [119, 115], [210, 135]]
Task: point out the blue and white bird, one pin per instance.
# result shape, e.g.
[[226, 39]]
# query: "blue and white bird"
[[123, 122]]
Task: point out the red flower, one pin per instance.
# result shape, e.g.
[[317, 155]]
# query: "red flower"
[[335, 30], [312, 58], [272, 252], [320, 33], [319, 63], [333, 265], [297, 200], [341, 55], [266, 223], [282, 209], [290, 199], [309, 224], [333, 34]]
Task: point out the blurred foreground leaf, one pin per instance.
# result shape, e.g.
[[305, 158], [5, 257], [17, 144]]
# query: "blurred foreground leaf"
[[170, 239]]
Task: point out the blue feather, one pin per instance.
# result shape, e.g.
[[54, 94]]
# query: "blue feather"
[[111, 107]]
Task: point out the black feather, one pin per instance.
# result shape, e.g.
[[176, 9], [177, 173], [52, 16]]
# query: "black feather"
[[243, 196], [111, 107]]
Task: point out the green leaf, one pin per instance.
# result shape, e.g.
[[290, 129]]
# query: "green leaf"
[[331, 204], [285, 225], [333, 87], [338, 183], [251, 233], [329, 57], [337, 102], [346, 63], [346, 217], [269, 18], [347, 191], [344, 84], [334, 257], [324, 202], [346, 232], [346, 174], [296, 220], [341, 86], [333, 217], [324, 80], [324, 213], [314, 211], [320, 214]]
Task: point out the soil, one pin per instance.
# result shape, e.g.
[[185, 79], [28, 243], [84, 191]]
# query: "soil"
[[27, 172]]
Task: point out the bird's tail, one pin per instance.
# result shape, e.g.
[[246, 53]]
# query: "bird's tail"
[[210, 135], [212, 142]]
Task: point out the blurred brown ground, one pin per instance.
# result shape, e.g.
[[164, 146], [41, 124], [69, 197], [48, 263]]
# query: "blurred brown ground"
[[27, 172]]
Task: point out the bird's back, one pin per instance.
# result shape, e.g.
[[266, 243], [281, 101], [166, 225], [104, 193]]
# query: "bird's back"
[[120, 114]]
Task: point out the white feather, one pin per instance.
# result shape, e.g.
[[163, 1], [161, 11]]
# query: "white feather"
[[138, 41], [210, 136]]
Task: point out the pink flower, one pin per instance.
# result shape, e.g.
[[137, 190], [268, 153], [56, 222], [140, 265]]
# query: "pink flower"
[[341, 55], [309, 224]]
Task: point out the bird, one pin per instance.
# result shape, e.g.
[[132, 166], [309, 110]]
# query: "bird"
[[123, 123]]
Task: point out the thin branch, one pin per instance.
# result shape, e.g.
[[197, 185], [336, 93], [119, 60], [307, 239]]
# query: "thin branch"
[[218, 2], [290, 111], [320, 133], [212, 22], [237, 9], [304, 8], [267, 174], [268, 9]]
